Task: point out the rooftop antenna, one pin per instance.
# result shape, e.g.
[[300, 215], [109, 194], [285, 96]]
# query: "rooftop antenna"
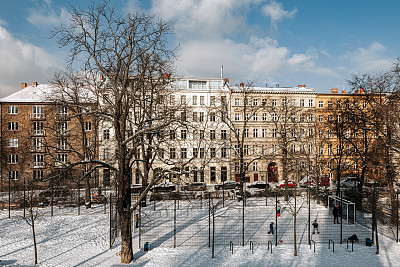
[[222, 71]]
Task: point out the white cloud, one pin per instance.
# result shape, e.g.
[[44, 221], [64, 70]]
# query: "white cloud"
[[3, 22], [276, 13], [369, 59], [255, 60], [45, 16], [22, 60]]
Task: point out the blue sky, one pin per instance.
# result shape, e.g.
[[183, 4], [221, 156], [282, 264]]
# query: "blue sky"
[[312, 42]]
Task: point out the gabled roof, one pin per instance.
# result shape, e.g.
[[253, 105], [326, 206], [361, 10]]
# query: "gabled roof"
[[31, 94]]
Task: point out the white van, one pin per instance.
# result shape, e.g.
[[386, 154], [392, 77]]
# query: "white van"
[[349, 182]]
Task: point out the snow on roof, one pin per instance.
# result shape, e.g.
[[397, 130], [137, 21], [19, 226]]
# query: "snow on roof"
[[43, 93], [300, 89], [31, 93]]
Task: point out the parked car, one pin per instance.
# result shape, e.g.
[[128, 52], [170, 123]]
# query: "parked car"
[[281, 184], [163, 187], [307, 181], [349, 182], [227, 185], [258, 185], [196, 186]]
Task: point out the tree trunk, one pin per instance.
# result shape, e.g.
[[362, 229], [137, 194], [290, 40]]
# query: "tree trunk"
[[33, 233], [125, 214], [126, 237], [294, 223], [88, 200]]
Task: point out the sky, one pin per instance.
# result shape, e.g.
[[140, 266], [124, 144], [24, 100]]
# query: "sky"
[[286, 42]]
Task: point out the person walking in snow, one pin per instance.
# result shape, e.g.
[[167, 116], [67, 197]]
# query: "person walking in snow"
[[271, 228], [315, 227], [278, 208], [336, 214]]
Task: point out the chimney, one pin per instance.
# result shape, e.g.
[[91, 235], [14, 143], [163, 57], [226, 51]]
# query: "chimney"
[[222, 71], [361, 90], [343, 91], [81, 84], [23, 85], [241, 84], [166, 75], [101, 77], [301, 86], [35, 84], [277, 85], [334, 91], [227, 80]]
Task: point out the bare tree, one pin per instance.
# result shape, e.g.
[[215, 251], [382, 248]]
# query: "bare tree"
[[131, 53]]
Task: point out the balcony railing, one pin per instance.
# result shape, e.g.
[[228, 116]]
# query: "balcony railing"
[[62, 117], [37, 148], [61, 164], [37, 116], [38, 132], [38, 165]]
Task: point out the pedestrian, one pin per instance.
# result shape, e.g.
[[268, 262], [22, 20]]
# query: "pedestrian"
[[137, 220], [271, 228], [336, 214], [315, 225], [278, 208]]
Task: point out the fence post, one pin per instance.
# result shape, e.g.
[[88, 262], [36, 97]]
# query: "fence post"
[[341, 217], [243, 200], [276, 218], [140, 225], [213, 219], [309, 214], [397, 221], [209, 220], [111, 220]]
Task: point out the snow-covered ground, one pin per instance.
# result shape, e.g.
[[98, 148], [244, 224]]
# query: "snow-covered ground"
[[70, 240]]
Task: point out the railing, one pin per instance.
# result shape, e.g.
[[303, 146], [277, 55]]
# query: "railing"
[[60, 164], [269, 242], [312, 241], [38, 165], [37, 132], [231, 246], [333, 245], [352, 244], [37, 116], [252, 247]]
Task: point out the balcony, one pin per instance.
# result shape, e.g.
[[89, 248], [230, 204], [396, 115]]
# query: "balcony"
[[61, 164], [38, 165], [62, 117], [37, 149], [37, 132], [37, 116]]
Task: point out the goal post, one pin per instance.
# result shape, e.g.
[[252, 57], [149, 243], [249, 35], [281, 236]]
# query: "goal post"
[[348, 208]]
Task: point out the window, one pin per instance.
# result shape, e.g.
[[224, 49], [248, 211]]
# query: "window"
[[87, 125], [310, 102], [264, 102], [202, 100], [255, 102], [255, 117], [106, 134], [12, 126], [338, 150], [264, 133], [274, 149], [274, 117], [183, 99], [301, 102], [172, 134], [255, 167], [302, 118], [213, 153], [321, 118], [329, 104], [201, 134], [237, 102], [224, 153], [62, 158], [197, 84], [202, 153], [37, 112], [321, 150], [330, 152], [12, 109], [212, 116], [329, 133], [264, 116], [246, 133], [237, 167], [311, 117], [237, 117], [224, 173], [255, 150], [12, 142], [284, 102], [321, 134], [194, 100], [87, 142], [274, 102], [329, 117], [201, 118], [212, 100], [223, 134], [348, 134], [194, 116], [293, 149], [12, 159], [274, 133], [212, 134], [172, 153], [38, 160], [365, 104], [183, 152], [212, 174], [356, 134], [246, 150], [106, 154], [339, 104], [310, 132], [195, 152], [223, 100], [13, 175], [293, 133], [183, 116], [37, 143], [62, 110], [339, 118], [247, 117], [265, 150], [172, 100], [255, 133], [183, 134], [38, 174], [62, 127], [321, 104]]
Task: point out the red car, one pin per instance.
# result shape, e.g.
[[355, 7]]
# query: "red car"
[[281, 184]]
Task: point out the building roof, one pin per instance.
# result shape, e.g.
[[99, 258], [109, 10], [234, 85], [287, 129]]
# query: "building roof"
[[279, 90], [31, 93]]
